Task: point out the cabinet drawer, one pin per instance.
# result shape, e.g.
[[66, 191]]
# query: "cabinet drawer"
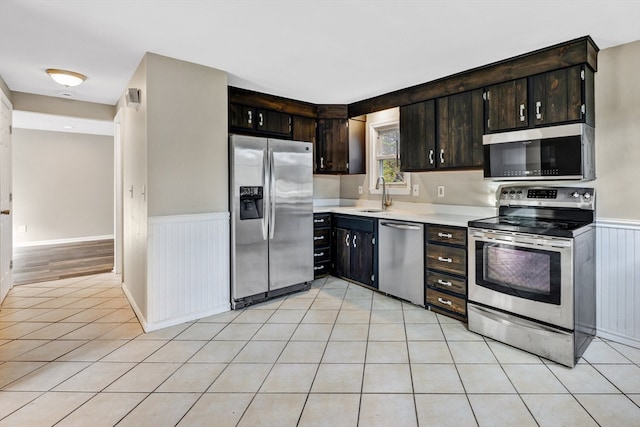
[[450, 235], [321, 255], [321, 269], [447, 302], [321, 238], [446, 282], [447, 259], [322, 220]]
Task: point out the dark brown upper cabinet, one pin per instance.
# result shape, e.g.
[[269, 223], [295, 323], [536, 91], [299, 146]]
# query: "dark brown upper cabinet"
[[459, 130], [506, 106], [562, 96], [555, 97], [259, 121], [304, 129], [418, 136], [340, 148]]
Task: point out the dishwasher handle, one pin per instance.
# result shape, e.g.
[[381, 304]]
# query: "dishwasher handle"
[[401, 226]]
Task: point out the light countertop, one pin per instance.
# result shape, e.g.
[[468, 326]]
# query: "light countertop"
[[455, 215]]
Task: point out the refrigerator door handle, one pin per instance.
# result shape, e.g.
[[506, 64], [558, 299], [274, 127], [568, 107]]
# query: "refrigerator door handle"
[[272, 197], [265, 185]]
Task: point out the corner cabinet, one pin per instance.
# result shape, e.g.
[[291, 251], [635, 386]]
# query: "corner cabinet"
[[556, 97], [355, 249], [340, 148], [446, 270]]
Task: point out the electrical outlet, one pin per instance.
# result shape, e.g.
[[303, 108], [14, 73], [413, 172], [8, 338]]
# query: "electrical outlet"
[[359, 189], [440, 190], [416, 190]]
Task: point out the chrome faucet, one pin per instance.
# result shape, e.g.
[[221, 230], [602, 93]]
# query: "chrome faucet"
[[386, 202]]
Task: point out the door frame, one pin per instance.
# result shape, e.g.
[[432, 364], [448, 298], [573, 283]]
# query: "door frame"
[[7, 236], [118, 247]]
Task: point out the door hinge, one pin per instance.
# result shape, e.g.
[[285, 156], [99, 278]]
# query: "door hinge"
[[10, 130], [373, 241], [10, 197], [373, 277], [11, 265], [582, 74], [485, 95], [488, 124], [583, 109]]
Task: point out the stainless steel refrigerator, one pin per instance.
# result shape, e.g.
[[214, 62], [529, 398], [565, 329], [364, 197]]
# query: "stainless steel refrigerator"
[[271, 218]]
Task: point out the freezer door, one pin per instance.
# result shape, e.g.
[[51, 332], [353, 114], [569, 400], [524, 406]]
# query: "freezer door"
[[249, 233], [290, 213]]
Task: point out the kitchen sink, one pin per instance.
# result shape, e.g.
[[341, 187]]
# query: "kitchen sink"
[[371, 210]]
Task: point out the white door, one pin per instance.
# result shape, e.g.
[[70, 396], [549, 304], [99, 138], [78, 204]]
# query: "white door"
[[6, 239]]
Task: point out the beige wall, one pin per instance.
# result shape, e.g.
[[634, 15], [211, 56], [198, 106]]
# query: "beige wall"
[[133, 131], [187, 137], [62, 107], [618, 132], [326, 186], [62, 185]]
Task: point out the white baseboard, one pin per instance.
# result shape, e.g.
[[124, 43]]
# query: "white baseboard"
[[63, 241], [134, 306], [621, 339]]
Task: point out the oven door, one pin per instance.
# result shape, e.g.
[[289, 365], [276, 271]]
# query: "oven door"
[[527, 275]]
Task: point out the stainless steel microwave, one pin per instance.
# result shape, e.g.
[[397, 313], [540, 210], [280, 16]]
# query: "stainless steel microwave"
[[564, 152]]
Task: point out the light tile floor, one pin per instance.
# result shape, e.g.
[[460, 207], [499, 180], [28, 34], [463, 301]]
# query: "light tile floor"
[[72, 353]]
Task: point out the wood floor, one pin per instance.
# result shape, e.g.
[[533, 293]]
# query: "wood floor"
[[53, 262]]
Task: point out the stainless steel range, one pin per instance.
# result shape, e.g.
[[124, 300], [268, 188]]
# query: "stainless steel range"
[[532, 271]]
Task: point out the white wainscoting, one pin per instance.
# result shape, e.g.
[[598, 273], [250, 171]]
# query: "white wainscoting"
[[618, 280], [188, 268]]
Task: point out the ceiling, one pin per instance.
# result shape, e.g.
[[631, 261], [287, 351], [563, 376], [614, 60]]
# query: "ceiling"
[[316, 51]]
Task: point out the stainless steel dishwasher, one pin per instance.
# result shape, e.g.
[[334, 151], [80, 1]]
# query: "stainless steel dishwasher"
[[401, 259]]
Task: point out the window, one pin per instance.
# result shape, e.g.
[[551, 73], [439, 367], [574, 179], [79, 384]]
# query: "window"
[[388, 154], [385, 161]]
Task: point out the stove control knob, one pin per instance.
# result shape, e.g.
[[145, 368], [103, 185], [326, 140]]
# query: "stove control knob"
[[587, 195], [575, 194]]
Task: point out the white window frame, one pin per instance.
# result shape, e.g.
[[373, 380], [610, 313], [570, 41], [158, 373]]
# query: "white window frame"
[[392, 188]]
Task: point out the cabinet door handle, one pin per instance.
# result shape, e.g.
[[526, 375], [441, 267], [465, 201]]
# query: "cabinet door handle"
[[354, 240], [249, 117], [442, 155], [538, 107], [446, 235], [522, 112], [444, 301], [260, 119], [444, 259], [321, 162], [318, 237], [318, 267], [347, 240], [318, 254], [444, 283], [430, 157], [318, 220]]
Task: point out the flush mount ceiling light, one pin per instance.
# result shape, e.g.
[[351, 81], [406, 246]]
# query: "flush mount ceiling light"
[[66, 78]]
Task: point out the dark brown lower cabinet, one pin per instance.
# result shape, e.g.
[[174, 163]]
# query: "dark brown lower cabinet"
[[355, 249], [446, 270]]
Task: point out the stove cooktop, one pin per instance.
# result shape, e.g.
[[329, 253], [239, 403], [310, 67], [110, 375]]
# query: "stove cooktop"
[[548, 227]]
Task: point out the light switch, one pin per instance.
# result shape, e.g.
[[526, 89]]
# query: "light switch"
[[440, 190]]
